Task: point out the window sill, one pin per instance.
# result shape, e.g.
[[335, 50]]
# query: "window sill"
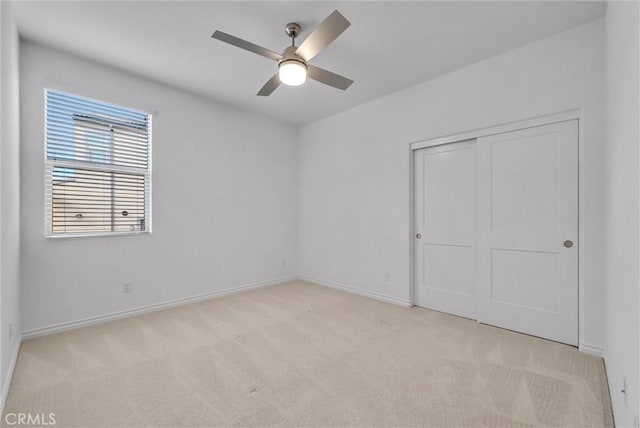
[[97, 234]]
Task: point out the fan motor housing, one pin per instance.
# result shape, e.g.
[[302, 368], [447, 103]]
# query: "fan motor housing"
[[290, 54]]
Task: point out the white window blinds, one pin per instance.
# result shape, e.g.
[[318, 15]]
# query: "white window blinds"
[[97, 167]]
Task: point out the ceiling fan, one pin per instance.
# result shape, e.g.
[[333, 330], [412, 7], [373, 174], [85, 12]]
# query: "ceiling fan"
[[293, 64]]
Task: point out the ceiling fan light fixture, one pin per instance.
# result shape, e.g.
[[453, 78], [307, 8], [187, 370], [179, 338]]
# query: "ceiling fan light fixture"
[[292, 72], [293, 63]]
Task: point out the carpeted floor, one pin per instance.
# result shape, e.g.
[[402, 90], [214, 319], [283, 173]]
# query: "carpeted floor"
[[303, 355]]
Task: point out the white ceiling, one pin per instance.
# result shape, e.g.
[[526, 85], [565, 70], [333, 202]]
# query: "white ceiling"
[[389, 46]]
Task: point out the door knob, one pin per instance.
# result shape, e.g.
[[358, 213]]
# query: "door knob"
[[418, 236], [568, 243]]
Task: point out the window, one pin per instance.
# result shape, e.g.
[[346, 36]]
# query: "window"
[[97, 167]]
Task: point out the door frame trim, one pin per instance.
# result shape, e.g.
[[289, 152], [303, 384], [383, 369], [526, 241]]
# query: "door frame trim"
[[499, 129], [563, 116]]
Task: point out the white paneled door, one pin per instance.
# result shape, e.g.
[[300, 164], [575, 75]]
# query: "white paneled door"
[[497, 230], [528, 231], [445, 228]]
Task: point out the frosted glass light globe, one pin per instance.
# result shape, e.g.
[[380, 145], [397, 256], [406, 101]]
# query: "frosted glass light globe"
[[292, 72]]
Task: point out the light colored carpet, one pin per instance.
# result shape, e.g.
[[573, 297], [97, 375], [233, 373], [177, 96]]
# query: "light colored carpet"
[[303, 355]]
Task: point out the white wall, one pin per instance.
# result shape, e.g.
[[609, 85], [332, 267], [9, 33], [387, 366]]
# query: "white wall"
[[9, 197], [621, 231], [354, 167], [224, 200]]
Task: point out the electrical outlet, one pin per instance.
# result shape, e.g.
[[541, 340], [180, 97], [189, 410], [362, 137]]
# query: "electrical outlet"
[[127, 287]]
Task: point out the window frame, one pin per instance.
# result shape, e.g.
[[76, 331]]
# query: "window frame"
[[49, 164]]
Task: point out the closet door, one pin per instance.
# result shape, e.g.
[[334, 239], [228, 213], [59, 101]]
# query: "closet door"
[[528, 231], [445, 228]]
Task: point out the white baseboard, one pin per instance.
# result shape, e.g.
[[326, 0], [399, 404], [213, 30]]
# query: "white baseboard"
[[7, 382], [359, 292], [592, 350], [69, 325]]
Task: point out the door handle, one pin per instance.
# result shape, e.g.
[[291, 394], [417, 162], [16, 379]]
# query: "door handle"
[[418, 236], [568, 243]]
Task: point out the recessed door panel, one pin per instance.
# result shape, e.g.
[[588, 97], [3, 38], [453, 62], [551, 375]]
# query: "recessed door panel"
[[442, 271], [529, 279], [524, 178]]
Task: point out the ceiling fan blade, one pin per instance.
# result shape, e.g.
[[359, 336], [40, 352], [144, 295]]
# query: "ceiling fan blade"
[[243, 44], [270, 86], [325, 33], [327, 77]]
